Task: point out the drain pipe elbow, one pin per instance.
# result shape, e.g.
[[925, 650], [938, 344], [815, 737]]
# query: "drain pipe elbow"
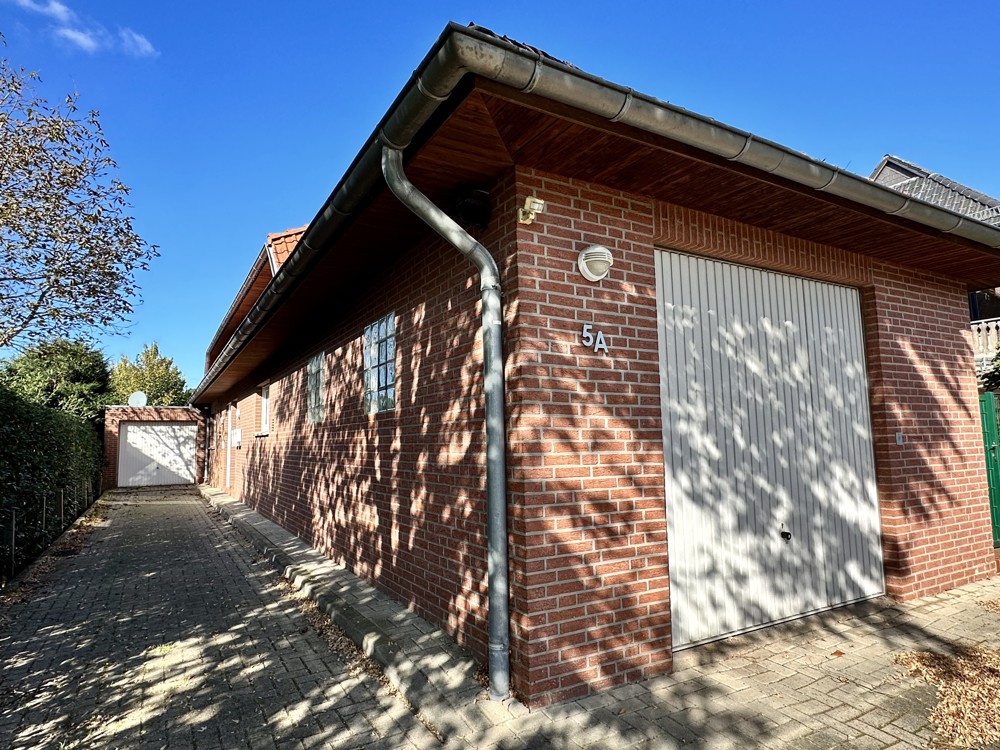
[[496, 462], [437, 219]]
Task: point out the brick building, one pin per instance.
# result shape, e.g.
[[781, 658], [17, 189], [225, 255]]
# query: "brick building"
[[772, 388], [152, 446]]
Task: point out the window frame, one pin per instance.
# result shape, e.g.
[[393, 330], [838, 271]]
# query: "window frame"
[[379, 374], [316, 388], [265, 409]]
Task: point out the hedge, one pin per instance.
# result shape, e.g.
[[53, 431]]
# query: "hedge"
[[45, 455]]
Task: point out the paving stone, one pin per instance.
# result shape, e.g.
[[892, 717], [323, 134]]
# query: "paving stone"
[[164, 630], [845, 712], [170, 627]]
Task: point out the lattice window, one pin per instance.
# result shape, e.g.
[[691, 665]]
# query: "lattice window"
[[380, 365]]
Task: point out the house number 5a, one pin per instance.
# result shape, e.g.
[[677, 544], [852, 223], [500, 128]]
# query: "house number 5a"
[[595, 339]]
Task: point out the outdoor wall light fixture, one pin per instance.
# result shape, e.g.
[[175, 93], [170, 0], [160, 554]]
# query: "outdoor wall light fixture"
[[532, 207], [595, 262]]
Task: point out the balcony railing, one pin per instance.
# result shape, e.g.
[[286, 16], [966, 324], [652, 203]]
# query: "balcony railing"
[[985, 337]]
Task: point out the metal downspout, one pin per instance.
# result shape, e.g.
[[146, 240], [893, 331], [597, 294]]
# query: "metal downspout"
[[462, 51], [496, 462]]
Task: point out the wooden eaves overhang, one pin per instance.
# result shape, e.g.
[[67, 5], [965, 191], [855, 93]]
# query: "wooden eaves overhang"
[[277, 248], [495, 118], [253, 286]]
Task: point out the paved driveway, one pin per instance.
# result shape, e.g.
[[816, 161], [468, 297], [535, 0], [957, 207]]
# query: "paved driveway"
[[169, 631], [164, 631]]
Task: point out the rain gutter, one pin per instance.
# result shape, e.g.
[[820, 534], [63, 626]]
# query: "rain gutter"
[[461, 51], [255, 271]]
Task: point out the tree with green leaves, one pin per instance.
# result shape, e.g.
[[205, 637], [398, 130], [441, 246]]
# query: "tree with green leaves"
[[991, 376], [68, 375], [153, 374], [68, 251]]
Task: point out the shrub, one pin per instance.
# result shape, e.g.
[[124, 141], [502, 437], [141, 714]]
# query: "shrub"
[[44, 454]]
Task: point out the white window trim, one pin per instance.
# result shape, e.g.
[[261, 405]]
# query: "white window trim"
[[265, 409]]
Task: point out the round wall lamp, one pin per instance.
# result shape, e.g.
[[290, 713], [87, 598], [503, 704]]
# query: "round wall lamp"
[[595, 262]]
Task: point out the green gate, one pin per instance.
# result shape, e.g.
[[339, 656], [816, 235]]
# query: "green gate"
[[988, 414]]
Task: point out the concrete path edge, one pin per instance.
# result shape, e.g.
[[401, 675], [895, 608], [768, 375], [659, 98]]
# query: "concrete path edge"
[[427, 667]]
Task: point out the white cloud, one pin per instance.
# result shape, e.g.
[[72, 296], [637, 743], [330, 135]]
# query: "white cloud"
[[51, 8], [86, 34], [135, 44], [88, 41]]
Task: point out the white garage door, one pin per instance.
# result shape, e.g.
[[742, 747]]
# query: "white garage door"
[[771, 505], [155, 453]]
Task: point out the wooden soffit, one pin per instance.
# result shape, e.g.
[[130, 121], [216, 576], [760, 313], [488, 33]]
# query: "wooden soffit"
[[554, 138]]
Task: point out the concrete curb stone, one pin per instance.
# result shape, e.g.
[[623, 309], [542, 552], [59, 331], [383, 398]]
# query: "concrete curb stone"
[[433, 673]]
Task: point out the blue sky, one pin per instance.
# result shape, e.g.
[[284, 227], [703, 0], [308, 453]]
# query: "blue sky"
[[230, 120]]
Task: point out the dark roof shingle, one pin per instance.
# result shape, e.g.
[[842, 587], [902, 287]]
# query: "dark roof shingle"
[[915, 181]]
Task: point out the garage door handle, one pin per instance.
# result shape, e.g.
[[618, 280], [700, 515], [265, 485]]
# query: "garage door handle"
[[786, 535]]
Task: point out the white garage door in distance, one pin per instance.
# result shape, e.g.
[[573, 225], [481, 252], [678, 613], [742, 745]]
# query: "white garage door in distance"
[[156, 453]]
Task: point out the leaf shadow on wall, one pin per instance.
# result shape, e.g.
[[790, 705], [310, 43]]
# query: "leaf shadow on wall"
[[397, 497]]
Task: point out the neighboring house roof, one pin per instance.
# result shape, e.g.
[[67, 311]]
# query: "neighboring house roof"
[[280, 245], [913, 180], [480, 105], [276, 250]]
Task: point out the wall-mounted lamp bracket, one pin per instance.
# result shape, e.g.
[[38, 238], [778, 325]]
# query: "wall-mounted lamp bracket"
[[529, 212]]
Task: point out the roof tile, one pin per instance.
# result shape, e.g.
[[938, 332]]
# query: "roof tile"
[[281, 244], [915, 181]]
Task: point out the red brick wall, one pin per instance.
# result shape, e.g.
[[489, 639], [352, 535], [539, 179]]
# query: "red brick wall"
[[115, 415], [591, 605], [399, 497], [680, 228], [933, 489]]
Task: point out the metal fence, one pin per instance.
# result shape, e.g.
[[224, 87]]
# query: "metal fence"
[[27, 530]]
